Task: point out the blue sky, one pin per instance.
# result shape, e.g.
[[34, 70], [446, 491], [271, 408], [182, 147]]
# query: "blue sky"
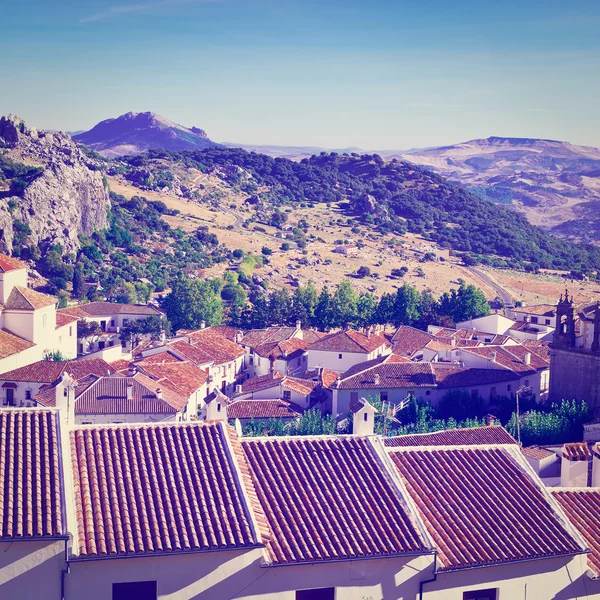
[[372, 73]]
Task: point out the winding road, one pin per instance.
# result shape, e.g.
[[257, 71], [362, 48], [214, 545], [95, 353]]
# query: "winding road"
[[506, 298]]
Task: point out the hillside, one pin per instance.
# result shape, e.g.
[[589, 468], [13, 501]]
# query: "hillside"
[[51, 190], [133, 133], [555, 184]]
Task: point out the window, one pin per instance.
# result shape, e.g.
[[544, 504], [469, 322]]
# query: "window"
[[136, 590], [316, 594], [71, 331], [27, 394], [509, 387], [428, 393], [489, 594], [86, 422], [365, 417], [339, 356], [547, 321], [112, 322], [287, 395], [383, 396]]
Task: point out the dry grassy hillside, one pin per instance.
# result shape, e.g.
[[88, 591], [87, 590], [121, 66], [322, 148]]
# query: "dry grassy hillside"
[[380, 253]]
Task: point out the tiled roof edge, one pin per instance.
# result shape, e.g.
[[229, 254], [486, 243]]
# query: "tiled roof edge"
[[520, 459], [252, 506], [408, 503]]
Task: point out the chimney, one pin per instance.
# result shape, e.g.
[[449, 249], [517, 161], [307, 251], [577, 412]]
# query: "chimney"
[[574, 465], [238, 388], [490, 419], [130, 390], [493, 356], [363, 421], [338, 379], [596, 465], [238, 337], [202, 324], [298, 325], [452, 342], [527, 358], [131, 371], [376, 379], [216, 408], [158, 393], [65, 399], [369, 332]]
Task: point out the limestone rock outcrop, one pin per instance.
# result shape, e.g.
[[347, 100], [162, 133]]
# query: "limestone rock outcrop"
[[66, 198]]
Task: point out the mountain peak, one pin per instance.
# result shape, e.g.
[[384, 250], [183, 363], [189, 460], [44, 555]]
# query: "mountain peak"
[[133, 132]]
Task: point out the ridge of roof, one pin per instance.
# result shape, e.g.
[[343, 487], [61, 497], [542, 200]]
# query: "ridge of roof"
[[22, 298]]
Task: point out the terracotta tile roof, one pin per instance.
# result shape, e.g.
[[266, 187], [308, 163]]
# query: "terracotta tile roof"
[[8, 263], [22, 298], [162, 357], [482, 507], [474, 436], [120, 365], [72, 311], [506, 357], [31, 502], [542, 310], [106, 309], [299, 385], [257, 337], [396, 358], [390, 376], [215, 345], [191, 352], [262, 409], [285, 350], [155, 489], [462, 335], [407, 341], [227, 332], [541, 348], [328, 499], [537, 453], [183, 375], [350, 341], [582, 507], [576, 451], [312, 335], [108, 395], [438, 345], [448, 376], [12, 344], [329, 377], [63, 319], [262, 382], [48, 371]]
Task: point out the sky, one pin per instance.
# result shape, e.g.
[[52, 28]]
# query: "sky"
[[372, 74]]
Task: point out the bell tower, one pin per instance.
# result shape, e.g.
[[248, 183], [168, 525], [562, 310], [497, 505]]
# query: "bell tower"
[[596, 338], [564, 334]]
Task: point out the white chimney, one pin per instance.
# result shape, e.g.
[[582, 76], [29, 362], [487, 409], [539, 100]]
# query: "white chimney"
[[238, 337], [298, 325], [216, 409], [376, 379], [129, 390], [238, 388], [363, 422], [202, 324], [493, 356], [527, 358], [574, 465], [596, 465], [65, 399], [158, 393], [131, 371]]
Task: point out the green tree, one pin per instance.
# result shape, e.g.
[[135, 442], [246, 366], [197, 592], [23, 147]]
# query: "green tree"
[[406, 305], [468, 302], [192, 301], [385, 309], [344, 304], [79, 287], [323, 319], [366, 309]]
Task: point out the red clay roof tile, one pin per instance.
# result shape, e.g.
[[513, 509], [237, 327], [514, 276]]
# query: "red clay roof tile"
[[482, 507], [156, 489], [329, 499], [474, 436], [31, 503]]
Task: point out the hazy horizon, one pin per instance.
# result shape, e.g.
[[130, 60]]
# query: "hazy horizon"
[[332, 74]]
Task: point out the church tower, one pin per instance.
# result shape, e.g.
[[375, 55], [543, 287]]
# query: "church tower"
[[564, 334]]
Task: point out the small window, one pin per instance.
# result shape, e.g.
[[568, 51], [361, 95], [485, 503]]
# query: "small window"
[[137, 590], [489, 594], [547, 321], [366, 417], [86, 422], [509, 387], [339, 356], [112, 322], [71, 331], [287, 395], [428, 393], [218, 407], [316, 594], [27, 394], [534, 319]]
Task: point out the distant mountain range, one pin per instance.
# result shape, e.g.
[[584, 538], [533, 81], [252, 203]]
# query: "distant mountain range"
[[133, 133], [555, 184]]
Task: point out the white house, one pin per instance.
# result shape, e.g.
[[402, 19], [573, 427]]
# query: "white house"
[[185, 511], [30, 327], [341, 350]]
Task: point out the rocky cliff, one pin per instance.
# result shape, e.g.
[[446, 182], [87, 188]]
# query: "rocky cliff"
[[62, 196]]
